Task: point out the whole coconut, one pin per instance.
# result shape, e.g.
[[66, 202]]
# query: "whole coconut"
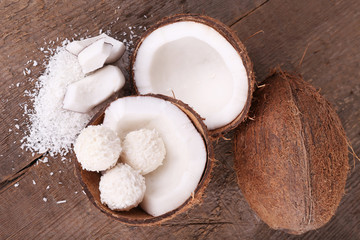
[[291, 160]]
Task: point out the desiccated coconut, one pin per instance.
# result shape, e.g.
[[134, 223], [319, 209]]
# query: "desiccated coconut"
[[51, 128]]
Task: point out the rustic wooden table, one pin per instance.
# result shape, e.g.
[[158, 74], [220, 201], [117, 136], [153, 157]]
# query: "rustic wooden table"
[[328, 31]]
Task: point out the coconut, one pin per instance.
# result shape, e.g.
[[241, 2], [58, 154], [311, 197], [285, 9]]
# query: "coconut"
[[291, 161], [146, 115], [200, 61]]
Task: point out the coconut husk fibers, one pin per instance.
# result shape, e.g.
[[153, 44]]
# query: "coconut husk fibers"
[[231, 37], [292, 160], [136, 216]]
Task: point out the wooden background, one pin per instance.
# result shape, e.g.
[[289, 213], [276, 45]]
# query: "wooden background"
[[329, 30]]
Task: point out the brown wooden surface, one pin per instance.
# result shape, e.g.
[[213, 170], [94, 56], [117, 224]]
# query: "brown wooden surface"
[[329, 30]]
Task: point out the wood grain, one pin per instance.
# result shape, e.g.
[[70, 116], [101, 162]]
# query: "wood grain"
[[28, 26], [328, 29]]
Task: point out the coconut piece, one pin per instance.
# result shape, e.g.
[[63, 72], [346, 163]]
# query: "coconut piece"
[[97, 148], [122, 187], [136, 216], [200, 61], [291, 161], [83, 95], [143, 150], [171, 184], [118, 49], [75, 47], [94, 56]]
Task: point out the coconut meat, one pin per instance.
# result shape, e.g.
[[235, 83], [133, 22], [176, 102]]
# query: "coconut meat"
[[94, 56], [85, 94], [196, 64], [117, 50], [172, 183]]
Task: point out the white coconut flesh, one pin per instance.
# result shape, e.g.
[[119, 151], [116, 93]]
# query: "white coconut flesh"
[[171, 184], [198, 65]]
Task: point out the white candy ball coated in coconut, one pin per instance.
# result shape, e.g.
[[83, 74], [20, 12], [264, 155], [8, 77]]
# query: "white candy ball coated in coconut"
[[122, 187], [97, 148], [144, 150]]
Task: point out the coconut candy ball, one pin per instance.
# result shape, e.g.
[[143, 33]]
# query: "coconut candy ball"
[[122, 187], [144, 150], [97, 148]]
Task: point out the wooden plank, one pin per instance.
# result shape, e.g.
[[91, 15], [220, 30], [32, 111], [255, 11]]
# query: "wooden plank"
[[224, 214], [220, 215], [328, 32], [28, 26]]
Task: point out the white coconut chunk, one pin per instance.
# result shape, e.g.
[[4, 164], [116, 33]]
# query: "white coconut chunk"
[[122, 188], [118, 48], [198, 65], [75, 47], [83, 95], [143, 150], [94, 56], [97, 148], [171, 184]]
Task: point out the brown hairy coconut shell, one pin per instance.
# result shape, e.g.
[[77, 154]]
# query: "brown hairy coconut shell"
[[136, 216], [231, 37], [291, 160]]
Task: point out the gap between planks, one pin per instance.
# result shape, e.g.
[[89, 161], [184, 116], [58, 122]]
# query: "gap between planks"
[[19, 174], [248, 13]]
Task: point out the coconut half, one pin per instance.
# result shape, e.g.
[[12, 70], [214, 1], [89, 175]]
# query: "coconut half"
[[180, 181], [200, 61]]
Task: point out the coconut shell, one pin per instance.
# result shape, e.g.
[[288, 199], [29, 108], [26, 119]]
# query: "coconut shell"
[[291, 161], [231, 37], [136, 216]]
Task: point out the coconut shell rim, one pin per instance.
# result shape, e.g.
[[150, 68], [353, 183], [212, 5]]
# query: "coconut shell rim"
[[231, 37], [192, 200]]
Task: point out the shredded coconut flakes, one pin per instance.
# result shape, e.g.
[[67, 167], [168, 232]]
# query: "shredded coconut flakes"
[[52, 128]]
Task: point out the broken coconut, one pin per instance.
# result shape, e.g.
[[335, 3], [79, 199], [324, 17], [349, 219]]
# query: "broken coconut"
[[180, 181], [85, 94], [292, 160], [200, 61], [117, 50], [94, 56]]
